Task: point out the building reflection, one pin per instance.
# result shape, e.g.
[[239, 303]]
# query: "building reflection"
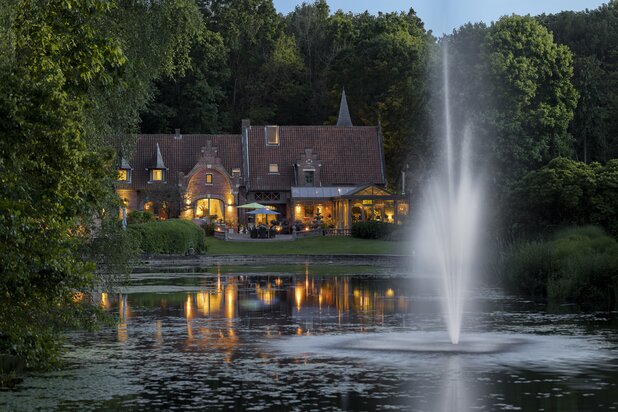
[[282, 304]]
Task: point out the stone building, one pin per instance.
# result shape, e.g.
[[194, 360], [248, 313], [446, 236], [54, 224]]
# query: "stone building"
[[335, 172]]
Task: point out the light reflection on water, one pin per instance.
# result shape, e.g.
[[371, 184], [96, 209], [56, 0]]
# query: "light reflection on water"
[[192, 341]]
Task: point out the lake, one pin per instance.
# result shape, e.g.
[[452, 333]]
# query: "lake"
[[325, 337]]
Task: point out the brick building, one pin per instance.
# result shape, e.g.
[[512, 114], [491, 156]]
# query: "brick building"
[[336, 172]]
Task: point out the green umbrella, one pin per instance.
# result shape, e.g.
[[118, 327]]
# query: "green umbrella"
[[252, 206]]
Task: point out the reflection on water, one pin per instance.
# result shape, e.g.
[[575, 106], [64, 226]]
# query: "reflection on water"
[[213, 341], [234, 296]]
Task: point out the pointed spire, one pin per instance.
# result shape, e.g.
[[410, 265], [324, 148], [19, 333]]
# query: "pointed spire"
[[159, 164], [344, 114]]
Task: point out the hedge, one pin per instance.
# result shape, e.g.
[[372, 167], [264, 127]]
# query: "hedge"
[[174, 237], [373, 230]]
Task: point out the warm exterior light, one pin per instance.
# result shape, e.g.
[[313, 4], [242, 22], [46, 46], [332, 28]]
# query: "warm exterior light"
[[188, 202], [390, 293], [123, 176], [297, 208]]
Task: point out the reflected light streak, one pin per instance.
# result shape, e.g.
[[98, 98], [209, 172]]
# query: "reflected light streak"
[[105, 303], [299, 291], [230, 295]]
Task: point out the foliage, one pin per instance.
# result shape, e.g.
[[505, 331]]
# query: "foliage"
[[533, 97], [372, 229], [592, 35], [577, 264], [137, 216], [174, 236], [567, 192], [69, 75], [51, 186], [528, 266]]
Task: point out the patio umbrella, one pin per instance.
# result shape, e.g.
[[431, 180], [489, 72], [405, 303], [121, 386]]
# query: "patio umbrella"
[[263, 211], [252, 206]]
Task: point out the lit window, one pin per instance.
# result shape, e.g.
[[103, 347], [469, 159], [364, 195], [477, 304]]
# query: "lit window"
[[236, 171], [208, 178], [156, 175], [123, 175], [273, 168], [309, 178], [272, 135]]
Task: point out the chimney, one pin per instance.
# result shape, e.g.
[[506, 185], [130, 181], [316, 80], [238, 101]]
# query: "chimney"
[[178, 136], [245, 124]]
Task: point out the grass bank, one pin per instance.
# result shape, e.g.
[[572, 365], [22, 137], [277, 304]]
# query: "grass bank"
[[309, 246]]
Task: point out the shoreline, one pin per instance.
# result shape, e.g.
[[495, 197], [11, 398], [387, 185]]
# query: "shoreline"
[[340, 259]]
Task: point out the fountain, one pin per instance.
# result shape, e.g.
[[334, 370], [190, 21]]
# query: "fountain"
[[450, 216]]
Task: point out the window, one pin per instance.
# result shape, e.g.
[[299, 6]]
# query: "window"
[[124, 175], [272, 135], [208, 178], [236, 171], [267, 196], [157, 175], [273, 168], [309, 178]]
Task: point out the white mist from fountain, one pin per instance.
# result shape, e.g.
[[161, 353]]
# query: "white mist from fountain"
[[450, 217]]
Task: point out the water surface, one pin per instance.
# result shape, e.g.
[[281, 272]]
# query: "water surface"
[[275, 339]]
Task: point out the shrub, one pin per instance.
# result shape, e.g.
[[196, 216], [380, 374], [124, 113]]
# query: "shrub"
[[169, 237], [528, 266], [576, 264], [137, 216], [372, 230]]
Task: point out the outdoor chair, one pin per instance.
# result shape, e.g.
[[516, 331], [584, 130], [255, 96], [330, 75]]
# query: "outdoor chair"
[[263, 232]]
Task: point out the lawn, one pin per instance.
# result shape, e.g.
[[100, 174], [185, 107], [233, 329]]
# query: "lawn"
[[308, 246]]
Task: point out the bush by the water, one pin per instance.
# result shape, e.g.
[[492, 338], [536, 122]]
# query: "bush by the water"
[[576, 264], [137, 216], [174, 236], [373, 229]]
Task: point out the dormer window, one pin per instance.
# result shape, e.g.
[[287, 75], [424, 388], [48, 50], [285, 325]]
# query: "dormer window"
[[209, 178], [272, 135], [273, 168], [123, 171], [124, 175], [157, 175], [158, 171], [309, 177]]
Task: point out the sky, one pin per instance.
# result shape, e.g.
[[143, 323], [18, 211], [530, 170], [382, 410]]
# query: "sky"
[[442, 16]]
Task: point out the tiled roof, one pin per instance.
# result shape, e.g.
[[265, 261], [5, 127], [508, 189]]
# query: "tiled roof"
[[180, 155], [349, 155]]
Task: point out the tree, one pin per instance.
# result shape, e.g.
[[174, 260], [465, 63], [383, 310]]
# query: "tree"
[[51, 185], [533, 97], [592, 35], [384, 74], [65, 67]]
